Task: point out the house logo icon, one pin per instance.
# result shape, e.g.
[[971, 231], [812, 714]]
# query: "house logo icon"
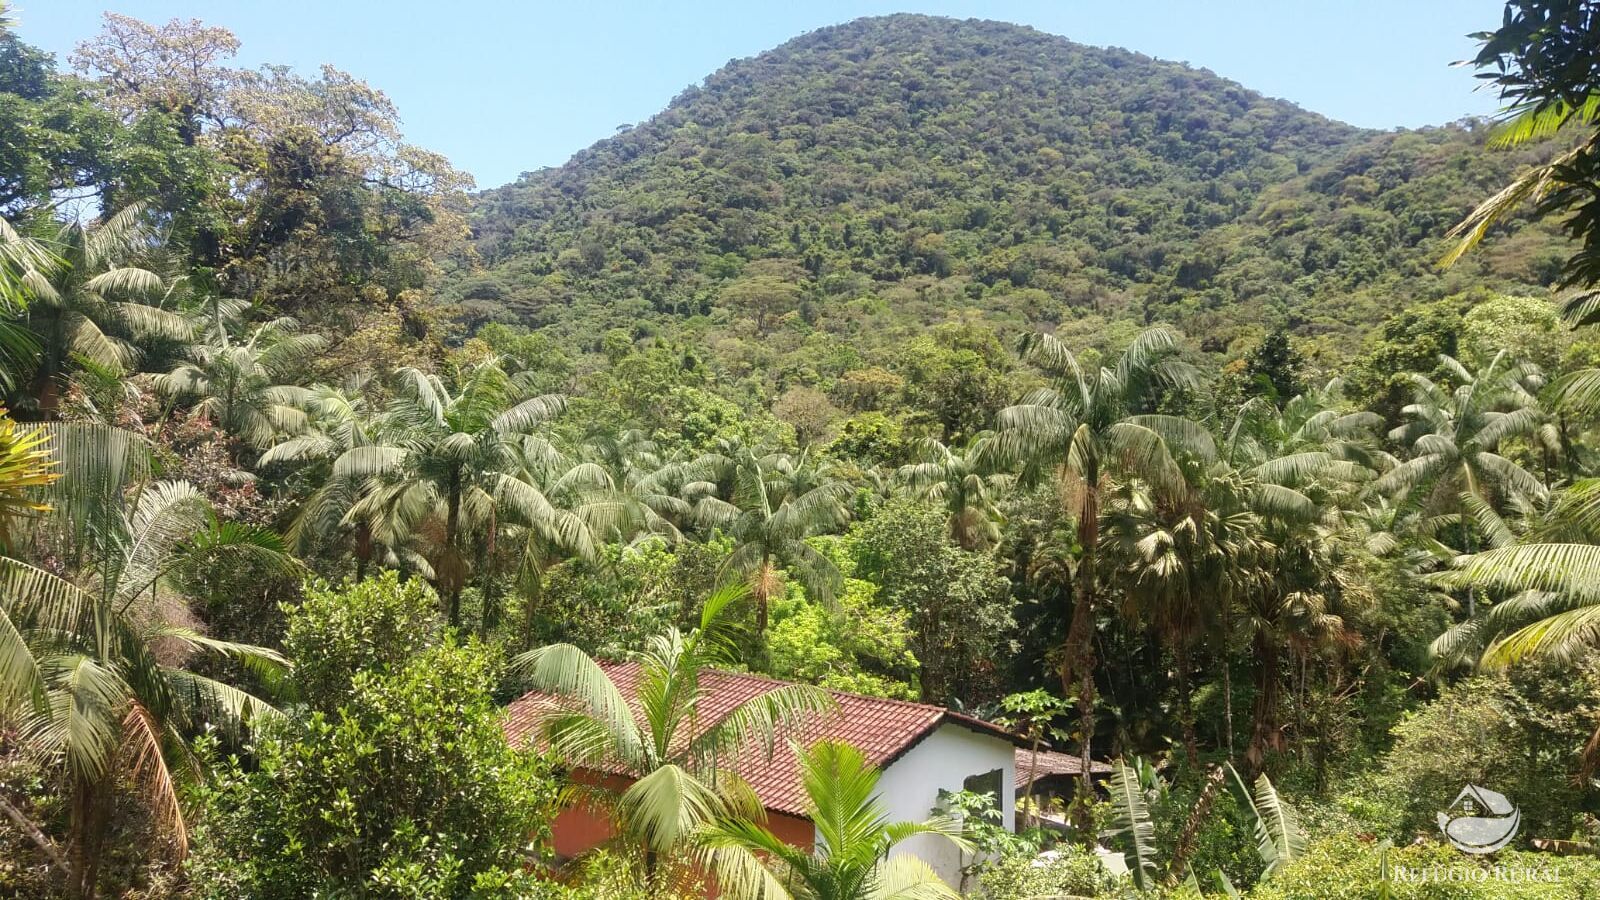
[[1480, 820]]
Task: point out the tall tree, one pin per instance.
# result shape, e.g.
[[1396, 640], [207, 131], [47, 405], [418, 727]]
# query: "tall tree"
[[959, 480], [81, 669], [1278, 502], [447, 457], [1155, 550], [244, 385], [1082, 429], [640, 494], [294, 189], [777, 502], [23, 260], [339, 422], [1454, 437], [559, 508], [99, 301]]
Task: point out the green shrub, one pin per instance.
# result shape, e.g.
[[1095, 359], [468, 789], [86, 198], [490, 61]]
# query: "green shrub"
[[1063, 872], [856, 644], [370, 626], [409, 790], [1518, 733], [1344, 868]]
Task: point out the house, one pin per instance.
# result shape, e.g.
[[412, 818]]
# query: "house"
[[923, 751]]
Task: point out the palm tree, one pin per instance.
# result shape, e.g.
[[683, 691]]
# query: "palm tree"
[[1157, 551], [559, 509], [851, 859], [1454, 439], [1553, 611], [23, 261], [97, 302], [1578, 391], [80, 672], [1554, 606], [959, 480], [447, 457], [26, 466], [617, 491], [1294, 605], [1319, 423], [642, 494], [241, 385], [676, 762], [777, 503], [1080, 428], [1292, 476], [339, 423]]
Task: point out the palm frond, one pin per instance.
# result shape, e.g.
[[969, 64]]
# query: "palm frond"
[[760, 720], [568, 672], [1530, 185], [669, 805], [908, 877], [1279, 838], [142, 738], [1131, 820]]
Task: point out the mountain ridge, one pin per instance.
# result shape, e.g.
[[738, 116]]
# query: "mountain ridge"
[[1025, 179]]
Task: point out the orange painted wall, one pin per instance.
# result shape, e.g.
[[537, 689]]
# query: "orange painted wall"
[[794, 831], [581, 828]]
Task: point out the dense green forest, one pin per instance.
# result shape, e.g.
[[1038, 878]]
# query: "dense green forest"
[[1248, 452], [859, 184]]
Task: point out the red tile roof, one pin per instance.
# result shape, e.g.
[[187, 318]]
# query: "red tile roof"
[[881, 729], [1051, 762]]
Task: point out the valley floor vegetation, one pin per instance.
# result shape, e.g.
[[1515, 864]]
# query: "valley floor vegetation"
[[290, 508]]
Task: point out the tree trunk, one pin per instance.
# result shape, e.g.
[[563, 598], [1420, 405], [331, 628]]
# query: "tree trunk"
[[89, 819], [491, 594], [47, 392], [452, 522], [1185, 846], [1264, 733], [1191, 744], [1033, 775], [761, 592], [533, 593], [363, 550], [1227, 675], [40, 839], [1078, 660]]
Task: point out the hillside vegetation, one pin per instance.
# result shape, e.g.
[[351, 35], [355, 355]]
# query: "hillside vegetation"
[[865, 181]]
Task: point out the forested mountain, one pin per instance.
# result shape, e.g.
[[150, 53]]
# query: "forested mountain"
[[870, 179]]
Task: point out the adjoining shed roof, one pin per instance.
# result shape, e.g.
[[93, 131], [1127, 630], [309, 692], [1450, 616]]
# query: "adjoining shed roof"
[[1051, 762], [883, 730]]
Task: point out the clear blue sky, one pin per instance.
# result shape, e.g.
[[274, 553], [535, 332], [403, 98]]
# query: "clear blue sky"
[[509, 86]]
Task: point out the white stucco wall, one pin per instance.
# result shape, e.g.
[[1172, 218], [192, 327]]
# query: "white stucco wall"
[[909, 789]]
